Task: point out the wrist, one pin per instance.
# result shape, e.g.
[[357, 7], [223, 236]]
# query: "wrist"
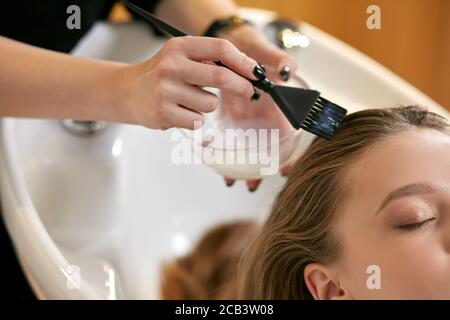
[[226, 24], [115, 93]]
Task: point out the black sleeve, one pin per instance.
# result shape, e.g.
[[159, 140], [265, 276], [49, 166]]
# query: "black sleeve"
[[42, 23]]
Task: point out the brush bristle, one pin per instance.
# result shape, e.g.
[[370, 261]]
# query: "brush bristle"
[[324, 118]]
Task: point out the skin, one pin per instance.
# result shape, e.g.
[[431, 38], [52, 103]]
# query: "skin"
[[407, 235], [248, 40], [163, 92]]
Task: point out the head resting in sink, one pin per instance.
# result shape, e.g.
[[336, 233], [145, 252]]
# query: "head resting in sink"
[[365, 215]]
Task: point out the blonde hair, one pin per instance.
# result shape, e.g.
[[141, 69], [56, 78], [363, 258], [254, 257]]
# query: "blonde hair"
[[299, 228], [208, 271]]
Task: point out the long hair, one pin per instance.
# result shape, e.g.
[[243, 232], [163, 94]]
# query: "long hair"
[[299, 229], [209, 270]]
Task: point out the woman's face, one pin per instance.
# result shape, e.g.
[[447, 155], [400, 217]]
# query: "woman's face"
[[394, 225]]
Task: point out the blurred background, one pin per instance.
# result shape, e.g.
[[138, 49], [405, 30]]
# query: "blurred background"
[[414, 39]]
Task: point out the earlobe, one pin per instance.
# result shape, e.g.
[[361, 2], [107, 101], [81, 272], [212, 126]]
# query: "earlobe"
[[321, 284]]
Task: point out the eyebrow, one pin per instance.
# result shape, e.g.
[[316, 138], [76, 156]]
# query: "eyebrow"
[[406, 191]]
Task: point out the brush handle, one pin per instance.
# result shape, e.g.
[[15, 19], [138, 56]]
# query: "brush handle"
[[157, 22], [262, 83]]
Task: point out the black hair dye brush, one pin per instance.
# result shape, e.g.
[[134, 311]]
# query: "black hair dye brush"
[[303, 108]]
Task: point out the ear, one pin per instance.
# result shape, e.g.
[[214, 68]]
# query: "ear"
[[321, 283]]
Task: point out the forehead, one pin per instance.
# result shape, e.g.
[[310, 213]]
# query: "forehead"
[[416, 155]]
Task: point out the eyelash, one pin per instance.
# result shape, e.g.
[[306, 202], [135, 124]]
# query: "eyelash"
[[414, 226]]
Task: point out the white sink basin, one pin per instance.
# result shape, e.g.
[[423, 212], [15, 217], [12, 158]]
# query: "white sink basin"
[[114, 207]]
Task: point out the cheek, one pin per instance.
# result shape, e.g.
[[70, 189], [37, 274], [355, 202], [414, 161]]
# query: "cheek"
[[416, 268], [410, 268], [360, 268]]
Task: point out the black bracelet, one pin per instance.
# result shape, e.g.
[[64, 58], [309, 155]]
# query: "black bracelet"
[[221, 24]]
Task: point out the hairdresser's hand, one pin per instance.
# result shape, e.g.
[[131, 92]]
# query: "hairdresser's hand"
[[255, 44], [262, 111], [279, 66], [166, 91]]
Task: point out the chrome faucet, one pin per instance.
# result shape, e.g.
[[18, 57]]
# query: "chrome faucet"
[[83, 127]]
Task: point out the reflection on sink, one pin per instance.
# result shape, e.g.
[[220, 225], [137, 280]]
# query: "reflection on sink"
[[115, 206]]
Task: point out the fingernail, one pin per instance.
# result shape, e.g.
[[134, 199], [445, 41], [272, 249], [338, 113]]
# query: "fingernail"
[[256, 94], [253, 185], [284, 171], [259, 72], [285, 73], [262, 67], [229, 182]]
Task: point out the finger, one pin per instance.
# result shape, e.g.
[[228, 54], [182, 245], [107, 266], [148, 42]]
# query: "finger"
[[284, 171], [195, 98], [181, 117], [207, 75], [229, 182], [286, 67], [272, 56], [215, 49], [207, 140], [253, 184]]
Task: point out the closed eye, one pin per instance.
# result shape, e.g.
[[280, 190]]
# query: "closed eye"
[[414, 226]]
